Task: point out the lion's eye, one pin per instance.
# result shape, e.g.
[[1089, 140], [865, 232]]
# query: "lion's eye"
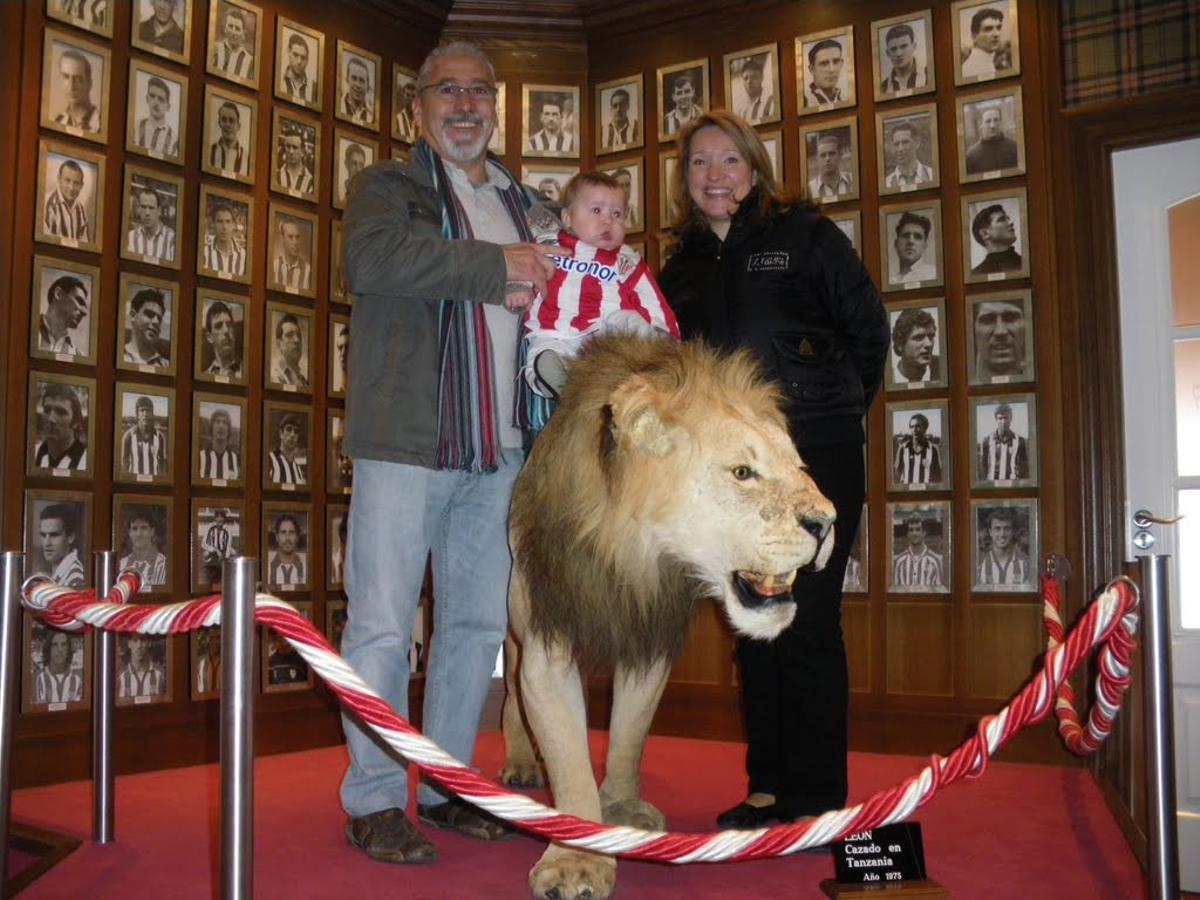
[[743, 473]]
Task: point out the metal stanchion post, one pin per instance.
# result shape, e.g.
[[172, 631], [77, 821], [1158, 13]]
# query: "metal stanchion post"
[[104, 677], [12, 571], [240, 580], [1160, 732]]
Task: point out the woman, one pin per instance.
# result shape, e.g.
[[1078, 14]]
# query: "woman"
[[759, 269]]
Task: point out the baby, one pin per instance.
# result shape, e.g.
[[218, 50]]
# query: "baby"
[[605, 286]]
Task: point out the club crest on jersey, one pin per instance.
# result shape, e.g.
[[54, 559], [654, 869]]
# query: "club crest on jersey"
[[768, 261], [586, 267], [627, 261]]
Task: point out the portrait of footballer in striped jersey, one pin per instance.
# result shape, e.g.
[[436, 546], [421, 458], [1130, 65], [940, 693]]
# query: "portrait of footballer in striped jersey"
[[57, 668], [61, 429], [63, 324], [1005, 549], [855, 581], [339, 469], [337, 521], [152, 215], [205, 680], [95, 16], [142, 539], [220, 355], [156, 124], [351, 154], [147, 325], [288, 348], [163, 27], [295, 155], [287, 439], [224, 242], [921, 457], [283, 668], [918, 547], [217, 534], [70, 196], [299, 63], [143, 669], [359, 73], [339, 355], [234, 41], [230, 125], [292, 254], [143, 433], [285, 545], [1005, 441], [58, 536], [75, 82], [218, 426]]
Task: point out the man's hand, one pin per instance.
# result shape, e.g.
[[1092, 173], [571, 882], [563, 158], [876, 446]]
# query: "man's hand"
[[532, 263]]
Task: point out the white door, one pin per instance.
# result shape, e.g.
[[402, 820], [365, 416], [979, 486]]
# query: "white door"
[[1157, 199]]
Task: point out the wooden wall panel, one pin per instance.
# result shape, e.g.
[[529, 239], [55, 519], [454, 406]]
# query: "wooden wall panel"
[[920, 649], [706, 660], [1006, 641], [856, 626]]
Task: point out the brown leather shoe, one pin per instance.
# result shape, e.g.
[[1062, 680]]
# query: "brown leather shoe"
[[389, 837], [465, 819]]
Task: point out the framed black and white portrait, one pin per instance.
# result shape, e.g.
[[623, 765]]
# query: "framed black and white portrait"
[[986, 42], [548, 180], [902, 55], [292, 251], [95, 16], [497, 143], [849, 222], [752, 88], [917, 358], [57, 668], [683, 94], [405, 126], [285, 546], [825, 70], [152, 213], [919, 547], [235, 41], [337, 281], [299, 64], [144, 665], [64, 311], [630, 174], [225, 236], [668, 176], [75, 86], [991, 135], [205, 669], [337, 520], [70, 194], [335, 622], [142, 433], [295, 155], [218, 440], [288, 350], [142, 539], [921, 448], [287, 440], [829, 160], [283, 668], [907, 149], [339, 354], [1000, 338], [1004, 435], [351, 154], [549, 120], [156, 123], [856, 580], [163, 27], [61, 430], [230, 128], [995, 240], [620, 114], [339, 467], [218, 533], [147, 324], [1005, 551], [359, 73], [222, 336], [58, 536], [773, 143], [910, 238]]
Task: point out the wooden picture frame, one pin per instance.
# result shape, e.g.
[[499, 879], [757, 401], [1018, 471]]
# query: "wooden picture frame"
[[70, 196], [217, 532], [991, 135], [222, 337], [95, 18], [849, 222], [339, 355], [218, 458], [299, 64], [902, 56], [358, 85], [1015, 524], [335, 622], [230, 135], [917, 358], [143, 448], [925, 567], [44, 648], [286, 456], [351, 154], [274, 577], [204, 670], [225, 235], [284, 670], [923, 263], [539, 176], [60, 439], [153, 684], [142, 539], [65, 310], [1004, 438], [773, 143], [1000, 338], [405, 126], [147, 343], [170, 38], [139, 241], [337, 515], [668, 165], [339, 468], [906, 149], [992, 249], [297, 276], [621, 98], [831, 142], [920, 439], [549, 120], [991, 50], [338, 293], [683, 92], [857, 578], [284, 369], [156, 89], [498, 142], [76, 82], [234, 53], [295, 155], [752, 84], [58, 536], [825, 71], [631, 174]]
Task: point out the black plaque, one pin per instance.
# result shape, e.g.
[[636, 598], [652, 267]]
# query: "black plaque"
[[890, 853]]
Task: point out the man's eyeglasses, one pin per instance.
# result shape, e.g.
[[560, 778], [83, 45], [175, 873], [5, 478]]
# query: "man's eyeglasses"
[[449, 91]]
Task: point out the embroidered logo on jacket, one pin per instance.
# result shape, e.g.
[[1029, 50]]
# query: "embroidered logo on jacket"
[[768, 261]]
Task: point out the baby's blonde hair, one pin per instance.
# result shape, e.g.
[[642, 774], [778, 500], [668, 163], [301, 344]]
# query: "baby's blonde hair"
[[585, 180]]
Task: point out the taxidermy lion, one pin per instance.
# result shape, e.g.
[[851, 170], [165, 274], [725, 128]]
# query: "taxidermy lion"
[[665, 475]]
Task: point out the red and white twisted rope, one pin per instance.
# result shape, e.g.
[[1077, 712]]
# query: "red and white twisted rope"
[[1110, 618]]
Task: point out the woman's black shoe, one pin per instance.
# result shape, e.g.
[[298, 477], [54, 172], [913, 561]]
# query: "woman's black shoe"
[[744, 816]]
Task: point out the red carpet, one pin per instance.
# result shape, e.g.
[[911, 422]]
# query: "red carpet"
[[1021, 831]]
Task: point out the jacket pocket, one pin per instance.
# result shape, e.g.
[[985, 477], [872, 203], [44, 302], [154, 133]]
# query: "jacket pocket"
[[809, 365]]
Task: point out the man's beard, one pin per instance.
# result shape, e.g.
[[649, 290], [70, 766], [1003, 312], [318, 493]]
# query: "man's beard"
[[468, 152]]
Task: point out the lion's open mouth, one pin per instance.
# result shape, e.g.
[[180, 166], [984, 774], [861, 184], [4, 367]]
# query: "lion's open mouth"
[[756, 590]]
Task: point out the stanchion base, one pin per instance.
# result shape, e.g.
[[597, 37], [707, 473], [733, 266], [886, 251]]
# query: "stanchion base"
[[926, 890]]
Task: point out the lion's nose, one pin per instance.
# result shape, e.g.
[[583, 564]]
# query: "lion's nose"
[[818, 528]]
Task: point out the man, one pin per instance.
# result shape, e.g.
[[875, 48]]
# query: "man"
[[994, 231], [286, 461], [291, 269], [830, 182], [223, 252], [1003, 563], [144, 444], [909, 171], [918, 459], [286, 365], [825, 60], [549, 190], [633, 218], [341, 349], [354, 158], [914, 345], [685, 108], [999, 339], [217, 544], [621, 130], [221, 336], [293, 173], [986, 57], [552, 135], [287, 564], [221, 459], [141, 678], [757, 108], [75, 79], [150, 236], [900, 45], [285, 665], [233, 55], [86, 13], [154, 132], [917, 565], [358, 103], [912, 239], [1003, 454], [160, 28], [226, 153], [297, 86], [66, 308], [406, 124], [994, 150], [146, 311], [144, 555], [63, 430], [57, 542], [399, 434], [57, 681], [64, 214], [208, 666]]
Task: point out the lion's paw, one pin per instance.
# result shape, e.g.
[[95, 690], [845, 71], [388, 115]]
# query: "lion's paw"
[[635, 813], [522, 775], [573, 875]]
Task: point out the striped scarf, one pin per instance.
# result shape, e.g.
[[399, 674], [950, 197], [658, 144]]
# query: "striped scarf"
[[468, 427]]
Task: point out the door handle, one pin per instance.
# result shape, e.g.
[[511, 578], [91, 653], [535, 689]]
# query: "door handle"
[[1143, 518]]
